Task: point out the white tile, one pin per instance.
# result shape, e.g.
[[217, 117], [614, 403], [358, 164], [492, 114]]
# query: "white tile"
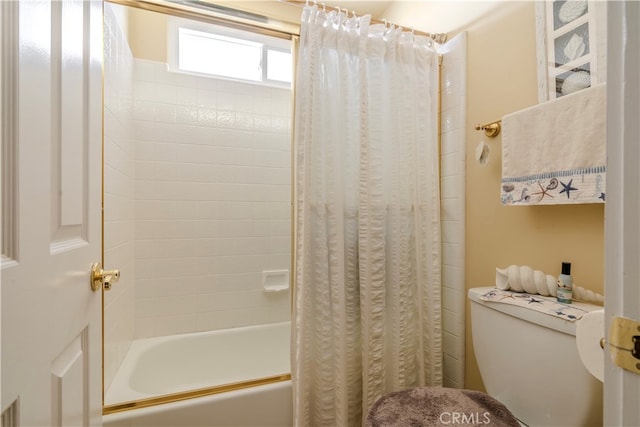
[[452, 300], [452, 185], [225, 101], [451, 142], [450, 119], [226, 119], [145, 91], [180, 324], [262, 123], [210, 321], [192, 178], [173, 78], [281, 125], [452, 209], [450, 164], [451, 344], [208, 83], [452, 232], [452, 251], [453, 369], [165, 93], [118, 244], [144, 70], [165, 113], [207, 98], [143, 110], [262, 105], [187, 114], [451, 324], [207, 117], [244, 121], [453, 275], [145, 327], [244, 103], [187, 96]]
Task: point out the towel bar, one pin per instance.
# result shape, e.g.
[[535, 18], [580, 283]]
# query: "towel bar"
[[491, 129]]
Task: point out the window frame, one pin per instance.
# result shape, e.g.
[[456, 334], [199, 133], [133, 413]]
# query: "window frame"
[[268, 43]]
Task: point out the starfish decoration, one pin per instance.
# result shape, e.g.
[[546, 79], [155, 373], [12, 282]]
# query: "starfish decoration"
[[543, 192], [567, 188], [532, 300]]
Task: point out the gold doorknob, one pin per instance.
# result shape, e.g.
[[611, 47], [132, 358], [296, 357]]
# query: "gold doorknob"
[[103, 278]]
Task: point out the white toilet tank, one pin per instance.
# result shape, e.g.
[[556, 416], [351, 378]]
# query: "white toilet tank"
[[529, 361]]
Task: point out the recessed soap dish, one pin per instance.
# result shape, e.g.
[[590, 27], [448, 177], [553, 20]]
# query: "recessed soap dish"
[[275, 280]]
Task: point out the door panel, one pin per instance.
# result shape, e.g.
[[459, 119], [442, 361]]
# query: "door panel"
[[69, 384], [69, 121], [51, 319], [8, 127], [622, 210]]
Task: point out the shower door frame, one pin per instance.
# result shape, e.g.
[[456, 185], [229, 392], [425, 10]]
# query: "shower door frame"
[[273, 28]]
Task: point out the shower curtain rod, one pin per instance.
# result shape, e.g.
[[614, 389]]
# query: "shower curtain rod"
[[439, 38]]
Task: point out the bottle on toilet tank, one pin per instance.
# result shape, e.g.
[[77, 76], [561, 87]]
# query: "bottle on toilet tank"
[[565, 284]]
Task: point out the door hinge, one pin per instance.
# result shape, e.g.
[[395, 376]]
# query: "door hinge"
[[624, 343]]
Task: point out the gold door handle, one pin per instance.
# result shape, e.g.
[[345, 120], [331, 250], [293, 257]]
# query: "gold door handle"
[[103, 278]]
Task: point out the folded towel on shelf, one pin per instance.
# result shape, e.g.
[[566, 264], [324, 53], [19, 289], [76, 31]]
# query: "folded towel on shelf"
[[547, 305], [555, 152]]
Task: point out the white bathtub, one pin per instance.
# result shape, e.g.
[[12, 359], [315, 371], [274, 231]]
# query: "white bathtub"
[[182, 363]]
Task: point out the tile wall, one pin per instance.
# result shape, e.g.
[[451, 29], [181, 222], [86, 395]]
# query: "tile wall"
[[119, 181], [453, 91], [212, 201], [197, 199]]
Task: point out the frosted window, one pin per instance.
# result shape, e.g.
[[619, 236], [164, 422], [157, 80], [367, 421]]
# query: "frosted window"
[[219, 55], [279, 65], [229, 53]]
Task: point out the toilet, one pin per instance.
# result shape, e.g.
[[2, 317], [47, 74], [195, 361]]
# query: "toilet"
[[529, 361]]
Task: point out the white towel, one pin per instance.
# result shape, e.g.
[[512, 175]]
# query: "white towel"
[[555, 152]]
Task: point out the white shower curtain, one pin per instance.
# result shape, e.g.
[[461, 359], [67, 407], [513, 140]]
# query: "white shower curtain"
[[367, 309]]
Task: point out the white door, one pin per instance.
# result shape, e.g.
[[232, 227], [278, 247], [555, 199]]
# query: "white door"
[[622, 211], [51, 211]]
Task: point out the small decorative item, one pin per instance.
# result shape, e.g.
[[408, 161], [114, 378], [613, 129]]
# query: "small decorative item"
[[565, 284], [482, 153], [571, 40], [525, 279], [522, 278]]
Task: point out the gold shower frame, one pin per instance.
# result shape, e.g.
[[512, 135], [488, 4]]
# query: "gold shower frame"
[[273, 28]]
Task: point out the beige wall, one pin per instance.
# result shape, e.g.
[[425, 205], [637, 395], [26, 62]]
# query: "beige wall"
[[501, 79], [148, 35]]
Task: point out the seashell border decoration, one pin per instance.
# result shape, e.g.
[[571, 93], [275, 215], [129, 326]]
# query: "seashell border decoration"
[[522, 278]]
